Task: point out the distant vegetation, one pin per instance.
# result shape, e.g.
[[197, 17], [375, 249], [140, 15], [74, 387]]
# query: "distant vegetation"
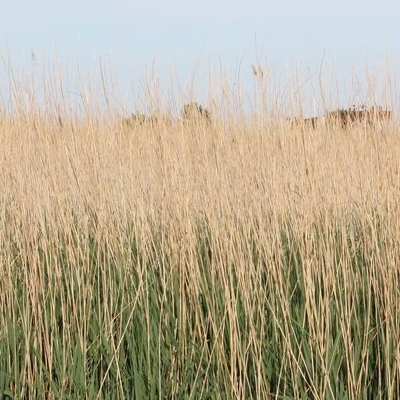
[[146, 120], [195, 112], [192, 112], [370, 116], [344, 118]]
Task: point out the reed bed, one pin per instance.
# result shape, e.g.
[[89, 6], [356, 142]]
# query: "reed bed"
[[198, 261]]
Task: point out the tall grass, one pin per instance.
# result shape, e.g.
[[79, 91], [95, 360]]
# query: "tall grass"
[[197, 261]]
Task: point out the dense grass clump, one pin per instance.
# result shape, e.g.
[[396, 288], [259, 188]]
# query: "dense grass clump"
[[198, 260], [311, 315]]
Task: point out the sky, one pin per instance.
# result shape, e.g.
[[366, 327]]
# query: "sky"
[[338, 52]]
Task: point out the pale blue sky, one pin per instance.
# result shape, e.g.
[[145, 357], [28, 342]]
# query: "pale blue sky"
[[187, 38]]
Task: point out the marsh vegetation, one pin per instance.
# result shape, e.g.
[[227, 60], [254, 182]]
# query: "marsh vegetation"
[[198, 261]]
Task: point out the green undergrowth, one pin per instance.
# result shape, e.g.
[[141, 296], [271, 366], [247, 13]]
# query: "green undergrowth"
[[155, 310]]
